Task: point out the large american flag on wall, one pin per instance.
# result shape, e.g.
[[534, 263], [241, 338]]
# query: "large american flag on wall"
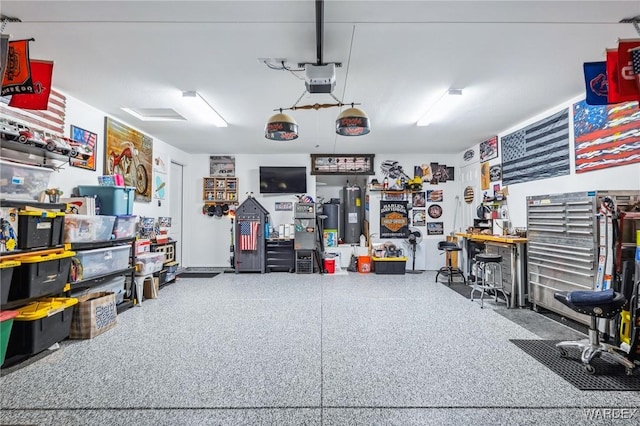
[[51, 119], [538, 151], [606, 136]]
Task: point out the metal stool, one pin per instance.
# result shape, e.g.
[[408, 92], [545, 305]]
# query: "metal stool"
[[449, 271], [489, 276]]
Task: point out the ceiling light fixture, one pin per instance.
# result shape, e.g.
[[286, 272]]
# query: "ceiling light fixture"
[[201, 107], [351, 122], [281, 127], [154, 114], [445, 104]]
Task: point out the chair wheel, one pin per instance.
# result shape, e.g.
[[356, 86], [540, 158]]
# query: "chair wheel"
[[563, 352], [589, 369]]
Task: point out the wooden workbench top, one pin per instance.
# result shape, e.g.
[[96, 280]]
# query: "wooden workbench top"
[[493, 238]]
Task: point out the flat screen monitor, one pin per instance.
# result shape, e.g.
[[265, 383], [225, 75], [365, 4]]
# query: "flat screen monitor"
[[283, 180]]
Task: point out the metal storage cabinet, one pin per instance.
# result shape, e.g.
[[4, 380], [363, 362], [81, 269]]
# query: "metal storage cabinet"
[[562, 252]]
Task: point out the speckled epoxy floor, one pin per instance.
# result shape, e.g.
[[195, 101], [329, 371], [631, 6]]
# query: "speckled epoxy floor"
[[303, 349]]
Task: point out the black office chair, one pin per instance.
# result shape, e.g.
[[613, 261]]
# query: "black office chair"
[[597, 304], [449, 271]]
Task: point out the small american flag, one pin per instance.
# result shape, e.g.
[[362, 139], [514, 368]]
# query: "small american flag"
[[635, 60], [249, 234]]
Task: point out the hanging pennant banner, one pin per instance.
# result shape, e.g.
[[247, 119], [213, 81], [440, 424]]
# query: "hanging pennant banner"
[[17, 75], [627, 78], [394, 219], [41, 72]]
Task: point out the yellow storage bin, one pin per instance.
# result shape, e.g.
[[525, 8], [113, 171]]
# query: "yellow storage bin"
[[6, 272], [41, 275], [40, 325]]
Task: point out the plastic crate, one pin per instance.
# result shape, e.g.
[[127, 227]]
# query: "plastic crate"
[[86, 229], [22, 182], [40, 325], [148, 263], [40, 229], [6, 272], [102, 261], [168, 250], [389, 265], [40, 275], [112, 200], [6, 321], [125, 226], [114, 285]]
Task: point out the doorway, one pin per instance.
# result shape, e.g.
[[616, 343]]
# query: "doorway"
[[176, 207]]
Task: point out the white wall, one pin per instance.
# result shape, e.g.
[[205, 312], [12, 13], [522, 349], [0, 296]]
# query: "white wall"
[[206, 239], [614, 178], [427, 254], [209, 237]]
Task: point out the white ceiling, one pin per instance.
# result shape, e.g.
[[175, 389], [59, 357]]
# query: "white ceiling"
[[513, 60]]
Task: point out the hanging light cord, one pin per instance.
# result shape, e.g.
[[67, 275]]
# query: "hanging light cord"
[[346, 77]]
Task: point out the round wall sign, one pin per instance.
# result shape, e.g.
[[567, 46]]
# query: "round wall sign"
[[435, 211], [468, 195]]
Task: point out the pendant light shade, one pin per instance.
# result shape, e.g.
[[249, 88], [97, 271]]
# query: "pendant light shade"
[[352, 122], [281, 127]]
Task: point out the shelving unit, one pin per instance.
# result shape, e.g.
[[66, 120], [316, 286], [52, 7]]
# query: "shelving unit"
[[169, 266], [100, 279], [220, 190]]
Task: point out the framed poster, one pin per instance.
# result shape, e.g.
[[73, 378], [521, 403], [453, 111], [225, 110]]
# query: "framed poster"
[[222, 165], [419, 199], [435, 228], [86, 146], [394, 219], [489, 149], [129, 153], [419, 218], [342, 164]]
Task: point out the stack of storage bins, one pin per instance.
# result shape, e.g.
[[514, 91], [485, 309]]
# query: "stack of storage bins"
[[40, 325]]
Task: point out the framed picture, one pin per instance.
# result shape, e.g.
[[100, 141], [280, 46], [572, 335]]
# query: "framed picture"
[[419, 218], [342, 164], [129, 153], [435, 228], [86, 146], [222, 165], [489, 149]]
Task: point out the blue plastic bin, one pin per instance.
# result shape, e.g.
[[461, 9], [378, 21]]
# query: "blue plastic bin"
[[113, 200]]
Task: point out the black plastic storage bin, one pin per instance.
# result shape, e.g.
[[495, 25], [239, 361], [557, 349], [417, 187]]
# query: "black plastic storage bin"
[[6, 273], [389, 265], [40, 275], [40, 325], [40, 229]]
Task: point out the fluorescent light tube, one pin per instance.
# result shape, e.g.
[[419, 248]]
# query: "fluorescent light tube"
[[202, 109], [443, 106]]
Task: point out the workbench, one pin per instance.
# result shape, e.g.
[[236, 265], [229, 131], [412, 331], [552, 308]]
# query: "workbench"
[[514, 268]]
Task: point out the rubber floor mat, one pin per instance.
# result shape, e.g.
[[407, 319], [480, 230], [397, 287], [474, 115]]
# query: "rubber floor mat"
[[608, 377]]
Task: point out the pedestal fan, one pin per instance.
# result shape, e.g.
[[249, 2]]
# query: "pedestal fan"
[[413, 239]]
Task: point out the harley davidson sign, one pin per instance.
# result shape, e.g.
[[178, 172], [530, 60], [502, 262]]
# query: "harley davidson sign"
[[394, 219]]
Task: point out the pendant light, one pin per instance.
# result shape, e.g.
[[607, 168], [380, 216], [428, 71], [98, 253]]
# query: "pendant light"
[[281, 127], [352, 122]]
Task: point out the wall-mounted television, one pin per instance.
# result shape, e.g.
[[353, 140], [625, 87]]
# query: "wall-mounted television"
[[283, 180]]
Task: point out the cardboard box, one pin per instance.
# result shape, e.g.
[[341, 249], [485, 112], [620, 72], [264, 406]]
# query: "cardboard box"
[[94, 314], [151, 288]]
